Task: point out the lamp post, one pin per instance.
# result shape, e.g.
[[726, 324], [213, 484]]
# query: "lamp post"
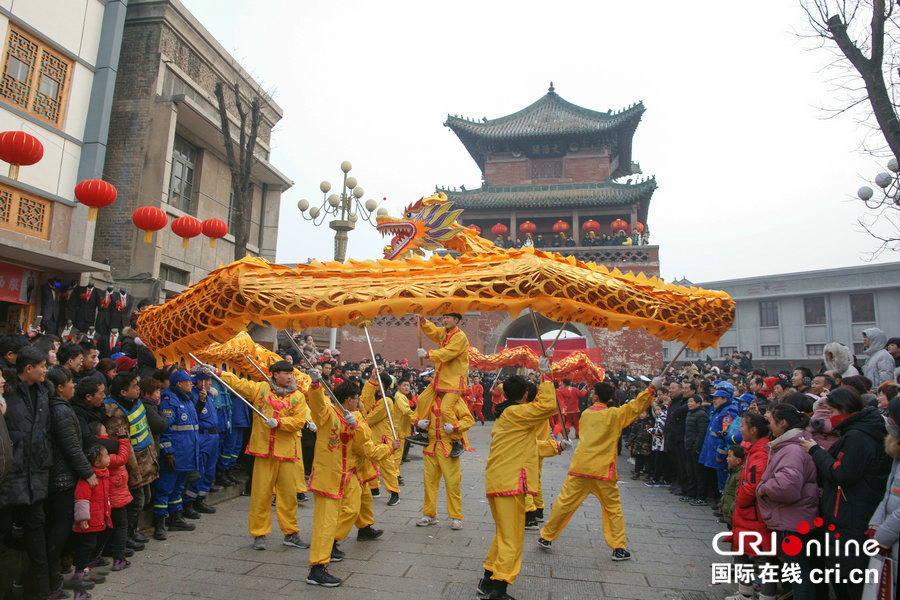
[[888, 182], [346, 209]]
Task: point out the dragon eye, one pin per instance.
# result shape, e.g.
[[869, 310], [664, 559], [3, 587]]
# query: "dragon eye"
[[409, 215]]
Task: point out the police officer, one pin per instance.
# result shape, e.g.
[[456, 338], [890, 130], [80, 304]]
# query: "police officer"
[[230, 437], [179, 447], [208, 417]]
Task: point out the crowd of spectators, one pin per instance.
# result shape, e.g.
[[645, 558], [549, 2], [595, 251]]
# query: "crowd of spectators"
[[589, 239]]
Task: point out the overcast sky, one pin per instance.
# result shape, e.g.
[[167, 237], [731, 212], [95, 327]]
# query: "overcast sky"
[[753, 177]]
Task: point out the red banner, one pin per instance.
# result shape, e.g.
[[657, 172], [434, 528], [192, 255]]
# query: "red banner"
[[18, 285]]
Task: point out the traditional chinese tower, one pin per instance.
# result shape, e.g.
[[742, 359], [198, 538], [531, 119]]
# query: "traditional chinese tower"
[[550, 168]]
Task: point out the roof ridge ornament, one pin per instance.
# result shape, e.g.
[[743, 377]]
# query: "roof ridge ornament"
[[551, 89]]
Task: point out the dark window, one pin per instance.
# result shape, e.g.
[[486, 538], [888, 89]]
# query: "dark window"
[[691, 354], [768, 313], [770, 350], [814, 310], [181, 186], [167, 273], [862, 308], [665, 353], [726, 351], [815, 349]]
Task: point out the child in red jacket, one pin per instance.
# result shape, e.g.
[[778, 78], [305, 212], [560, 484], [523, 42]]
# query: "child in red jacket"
[[92, 518], [119, 499]]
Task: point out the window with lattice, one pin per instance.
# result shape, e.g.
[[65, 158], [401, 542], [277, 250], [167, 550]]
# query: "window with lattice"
[[35, 77], [24, 213]]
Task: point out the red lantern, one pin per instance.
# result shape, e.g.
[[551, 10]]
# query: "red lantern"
[[95, 193], [590, 225], [19, 148], [560, 227], [499, 229], [150, 219], [214, 229], [186, 228], [619, 225], [639, 226], [528, 228]]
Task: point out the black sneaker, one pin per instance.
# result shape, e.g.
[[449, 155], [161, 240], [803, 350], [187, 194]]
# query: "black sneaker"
[[394, 499], [301, 497], [457, 449], [420, 439], [621, 554], [545, 544], [684, 498], [376, 492], [699, 502], [532, 524], [337, 555], [368, 533], [319, 575], [539, 515], [484, 587]]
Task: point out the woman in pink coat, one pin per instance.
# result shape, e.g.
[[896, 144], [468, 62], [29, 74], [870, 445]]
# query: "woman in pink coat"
[[788, 492]]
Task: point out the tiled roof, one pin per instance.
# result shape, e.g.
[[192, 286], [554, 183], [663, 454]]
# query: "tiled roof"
[[607, 193], [551, 115]]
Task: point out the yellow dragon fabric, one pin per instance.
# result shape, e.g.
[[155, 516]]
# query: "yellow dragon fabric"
[[482, 278]]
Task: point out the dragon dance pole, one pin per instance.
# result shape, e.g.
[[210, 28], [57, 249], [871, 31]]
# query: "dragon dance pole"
[[343, 410], [256, 366], [387, 407], [559, 333], [230, 389], [537, 332]]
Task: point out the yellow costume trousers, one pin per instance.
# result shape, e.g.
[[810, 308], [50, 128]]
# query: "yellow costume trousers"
[[573, 493], [438, 466], [325, 521], [533, 503], [278, 476], [390, 469], [301, 472], [504, 559], [350, 506], [448, 412]]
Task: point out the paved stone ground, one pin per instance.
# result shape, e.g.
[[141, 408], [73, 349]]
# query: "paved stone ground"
[[670, 542]]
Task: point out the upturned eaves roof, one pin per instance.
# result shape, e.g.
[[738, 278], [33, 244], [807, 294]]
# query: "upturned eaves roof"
[[607, 193]]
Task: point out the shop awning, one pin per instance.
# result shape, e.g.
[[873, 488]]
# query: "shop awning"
[[43, 259]]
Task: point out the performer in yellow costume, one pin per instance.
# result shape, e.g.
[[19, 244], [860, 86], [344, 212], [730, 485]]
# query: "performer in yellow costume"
[[275, 444], [451, 367], [593, 467], [403, 425], [330, 474], [354, 508], [511, 474], [377, 419], [534, 504]]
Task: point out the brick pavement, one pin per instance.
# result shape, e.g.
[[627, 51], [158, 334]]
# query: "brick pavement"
[[669, 540]]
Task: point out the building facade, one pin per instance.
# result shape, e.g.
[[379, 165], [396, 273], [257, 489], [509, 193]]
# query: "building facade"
[[60, 63], [785, 320], [552, 162], [166, 150]]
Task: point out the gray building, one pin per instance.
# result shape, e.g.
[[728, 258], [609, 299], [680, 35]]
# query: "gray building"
[[786, 319]]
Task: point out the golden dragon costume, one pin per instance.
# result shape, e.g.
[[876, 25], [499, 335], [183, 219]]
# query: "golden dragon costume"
[[577, 366], [482, 277]]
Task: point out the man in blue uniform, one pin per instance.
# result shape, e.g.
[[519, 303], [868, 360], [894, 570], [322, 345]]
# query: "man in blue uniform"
[[179, 447], [208, 417], [230, 437]]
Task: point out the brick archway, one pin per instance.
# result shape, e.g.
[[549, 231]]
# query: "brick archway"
[[522, 327]]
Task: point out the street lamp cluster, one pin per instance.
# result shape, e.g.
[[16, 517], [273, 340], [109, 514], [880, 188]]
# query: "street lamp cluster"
[[890, 185]]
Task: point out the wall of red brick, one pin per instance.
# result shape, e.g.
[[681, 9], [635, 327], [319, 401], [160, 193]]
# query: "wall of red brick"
[[506, 173], [593, 168]]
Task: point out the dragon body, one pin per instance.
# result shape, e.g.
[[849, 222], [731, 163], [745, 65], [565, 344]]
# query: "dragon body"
[[482, 278], [577, 366]]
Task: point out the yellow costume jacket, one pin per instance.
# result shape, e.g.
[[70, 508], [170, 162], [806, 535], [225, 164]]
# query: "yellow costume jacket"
[[365, 451], [376, 415], [282, 442], [545, 446], [437, 437], [451, 360], [333, 456], [595, 456], [512, 464], [404, 423]]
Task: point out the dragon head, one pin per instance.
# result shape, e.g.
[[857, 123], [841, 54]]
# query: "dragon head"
[[426, 224]]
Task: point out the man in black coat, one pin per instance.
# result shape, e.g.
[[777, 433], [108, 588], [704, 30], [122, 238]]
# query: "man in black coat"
[[674, 436], [23, 491], [90, 393]]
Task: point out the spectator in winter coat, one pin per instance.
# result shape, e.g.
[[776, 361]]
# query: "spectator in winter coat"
[[746, 518], [879, 366], [6, 451], [820, 425], [696, 424], [735, 461], [839, 360], [884, 526], [88, 407], [852, 474], [119, 496], [715, 448], [25, 488], [675, 418], [788, 492]]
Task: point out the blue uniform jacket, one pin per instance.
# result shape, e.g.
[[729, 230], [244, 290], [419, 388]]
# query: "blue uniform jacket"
[[209, 419], [715, 448], [223, 406], [182, 436]]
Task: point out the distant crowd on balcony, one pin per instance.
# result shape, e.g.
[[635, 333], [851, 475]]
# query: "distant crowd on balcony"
[[589, 239]]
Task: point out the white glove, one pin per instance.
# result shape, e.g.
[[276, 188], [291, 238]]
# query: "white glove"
[[208, 369], [544, 365], [351, 420], [448, 427], [314, 375], [272, 423], [422, 352], [658, 382], [564, 445], [311, 426], [423, 424], [549, 351]]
